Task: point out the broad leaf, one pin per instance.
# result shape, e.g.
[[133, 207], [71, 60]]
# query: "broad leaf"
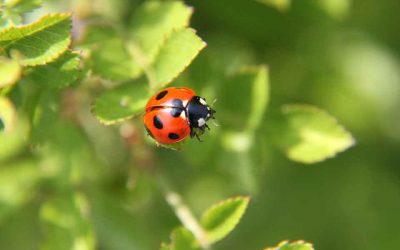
[[175, 55], [121, 103], [222, 218], [109, 56], [65, 223], [297, 245], [311, 135], [40, 42], [58, 74], [154, 21], [10, 71]]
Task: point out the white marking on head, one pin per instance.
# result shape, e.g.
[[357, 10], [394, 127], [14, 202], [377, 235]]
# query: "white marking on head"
[[183, 115], [202, 101], [201, 122], [185, 103]]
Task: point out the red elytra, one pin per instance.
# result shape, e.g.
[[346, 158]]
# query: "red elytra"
[[174, 113]]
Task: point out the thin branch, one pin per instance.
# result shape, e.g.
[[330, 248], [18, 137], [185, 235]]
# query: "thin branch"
[[184, 214]]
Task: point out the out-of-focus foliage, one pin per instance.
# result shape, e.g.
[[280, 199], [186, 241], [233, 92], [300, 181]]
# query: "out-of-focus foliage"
[[293, 82]]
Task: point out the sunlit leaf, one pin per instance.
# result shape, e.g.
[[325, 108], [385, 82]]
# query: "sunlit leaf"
[[154, 21], [121, 103], [7, 115], [66, 223], [176, 54], [57, 74], [312, 135], [39, 42], [297, 245], [10, 71], [222, 218]]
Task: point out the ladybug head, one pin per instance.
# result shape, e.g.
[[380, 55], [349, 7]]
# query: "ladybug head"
[[199, 112]]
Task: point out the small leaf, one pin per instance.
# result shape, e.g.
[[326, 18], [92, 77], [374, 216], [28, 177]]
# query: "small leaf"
[[57, 74], [121, 103], [297, 245], [65, 223], [154, 21], [10, 72], [109, 57], [222, 218], [183, 239], [176, 54], [39, 42], [311, 135]]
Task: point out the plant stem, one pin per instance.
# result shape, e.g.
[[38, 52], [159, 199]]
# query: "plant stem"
[[184, 214]]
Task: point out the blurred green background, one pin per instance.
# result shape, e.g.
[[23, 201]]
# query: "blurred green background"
[[340, 55]]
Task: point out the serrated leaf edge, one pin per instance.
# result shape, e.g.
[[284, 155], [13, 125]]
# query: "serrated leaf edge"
[[57, 55], [204, 44], [285, 242], [286, 108]]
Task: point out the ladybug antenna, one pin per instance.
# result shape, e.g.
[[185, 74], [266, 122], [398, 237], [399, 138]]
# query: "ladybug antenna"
[[212, 104], [215, 123]]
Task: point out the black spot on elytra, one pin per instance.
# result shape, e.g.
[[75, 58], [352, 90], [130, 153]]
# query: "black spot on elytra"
[[148, 131], [177, 103], [173, 136], [176, 112], [161, 95], [157, 122]]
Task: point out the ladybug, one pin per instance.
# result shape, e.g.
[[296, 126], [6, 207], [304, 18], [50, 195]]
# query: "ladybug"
[[174, 113]]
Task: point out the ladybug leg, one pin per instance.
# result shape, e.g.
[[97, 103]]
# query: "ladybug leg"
[[206, 126]]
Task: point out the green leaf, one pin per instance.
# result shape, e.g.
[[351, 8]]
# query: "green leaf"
[[10, 72], [57, 74], [311, 135], [176, 54], [281, 5], [222, 218], [297, 245], [109, 57], [40, 42], [154, 21], [121, 103], [181, 239], [65, 223]]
